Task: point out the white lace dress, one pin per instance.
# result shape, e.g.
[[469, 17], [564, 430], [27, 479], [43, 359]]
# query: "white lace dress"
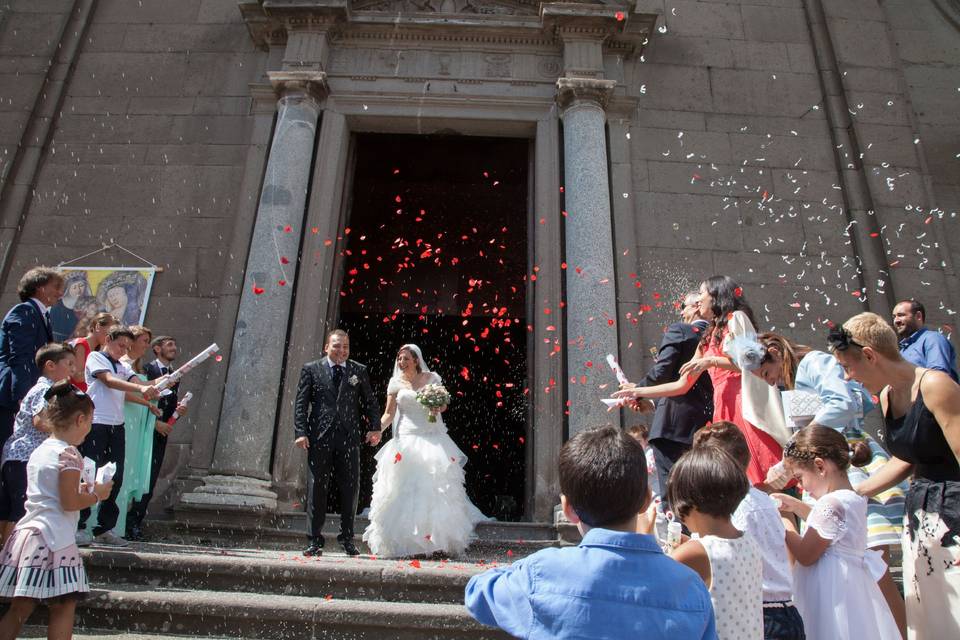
[[419, 503], [838, 596]]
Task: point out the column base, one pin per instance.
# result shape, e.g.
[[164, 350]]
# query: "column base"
[[238, 492]]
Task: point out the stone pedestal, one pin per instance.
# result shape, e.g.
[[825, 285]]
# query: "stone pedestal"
[[248, 417], [591, 285]]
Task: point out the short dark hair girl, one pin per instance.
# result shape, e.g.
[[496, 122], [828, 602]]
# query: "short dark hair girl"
[[727, 437], [603, 474], [727, 297], [709, 480], [816, 441]]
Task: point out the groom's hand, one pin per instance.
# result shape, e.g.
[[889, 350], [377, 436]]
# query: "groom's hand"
[[303, 442], [373, 437]]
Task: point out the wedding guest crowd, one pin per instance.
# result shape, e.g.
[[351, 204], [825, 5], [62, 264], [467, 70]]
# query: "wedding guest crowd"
[[788, 519], [791, 512]]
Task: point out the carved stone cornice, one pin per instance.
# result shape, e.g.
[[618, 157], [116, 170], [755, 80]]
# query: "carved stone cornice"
[[591, 90], [504, 22], [308, 83]]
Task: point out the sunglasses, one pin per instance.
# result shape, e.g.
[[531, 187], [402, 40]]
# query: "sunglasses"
[[840, 339]]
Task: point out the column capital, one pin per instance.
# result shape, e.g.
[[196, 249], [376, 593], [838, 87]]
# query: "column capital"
[[308, 83], [590, 90]]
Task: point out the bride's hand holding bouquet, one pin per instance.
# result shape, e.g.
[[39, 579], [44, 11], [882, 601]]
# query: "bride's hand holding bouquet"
[[435, 398]]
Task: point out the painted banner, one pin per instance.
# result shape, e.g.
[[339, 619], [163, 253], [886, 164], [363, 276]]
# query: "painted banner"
[[123, 292]]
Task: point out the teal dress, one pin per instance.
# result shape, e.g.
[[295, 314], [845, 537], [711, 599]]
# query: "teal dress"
[[138, 429]]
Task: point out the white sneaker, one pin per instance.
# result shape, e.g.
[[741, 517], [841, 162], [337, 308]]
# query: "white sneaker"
[[110, 539], [84, 538]]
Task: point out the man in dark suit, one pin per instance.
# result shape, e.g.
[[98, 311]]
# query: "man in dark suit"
[[676, 419], [334, 397], [166, 351], [25, 329]]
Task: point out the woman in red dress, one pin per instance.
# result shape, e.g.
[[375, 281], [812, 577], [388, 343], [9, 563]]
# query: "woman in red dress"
[[755, 409]]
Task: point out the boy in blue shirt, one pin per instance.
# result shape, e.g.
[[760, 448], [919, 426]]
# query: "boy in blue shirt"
[[616, 583]]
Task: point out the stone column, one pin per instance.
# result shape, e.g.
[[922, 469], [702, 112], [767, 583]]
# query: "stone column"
[[240, 473], [591, 309]]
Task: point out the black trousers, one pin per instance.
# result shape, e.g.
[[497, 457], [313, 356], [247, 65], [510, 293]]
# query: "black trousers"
[[343, 460], [8, 416], [105, 443], [138, 510], [666, 453]]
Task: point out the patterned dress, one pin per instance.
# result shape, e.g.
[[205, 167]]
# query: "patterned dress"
[[736, 586]]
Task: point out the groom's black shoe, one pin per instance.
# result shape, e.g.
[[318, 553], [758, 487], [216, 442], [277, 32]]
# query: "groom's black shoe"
[[313, 550], [350, 549]]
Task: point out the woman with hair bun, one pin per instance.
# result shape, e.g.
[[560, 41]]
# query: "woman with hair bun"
[[921, 410]]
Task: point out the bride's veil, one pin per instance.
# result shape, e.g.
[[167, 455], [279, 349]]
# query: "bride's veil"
[[397, 374]]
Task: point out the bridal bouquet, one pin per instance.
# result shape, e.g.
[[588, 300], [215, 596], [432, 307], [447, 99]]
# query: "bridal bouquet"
[[433, 396]]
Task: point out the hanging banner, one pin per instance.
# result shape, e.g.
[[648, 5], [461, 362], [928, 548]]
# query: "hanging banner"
[[123, 292]]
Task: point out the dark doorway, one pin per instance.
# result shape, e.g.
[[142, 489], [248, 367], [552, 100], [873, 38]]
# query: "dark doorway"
[[436, 254]]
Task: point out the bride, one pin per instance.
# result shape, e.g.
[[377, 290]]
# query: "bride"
[[419, 504]]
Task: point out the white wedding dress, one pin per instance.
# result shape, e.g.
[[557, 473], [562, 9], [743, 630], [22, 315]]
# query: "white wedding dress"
[[419, 503]]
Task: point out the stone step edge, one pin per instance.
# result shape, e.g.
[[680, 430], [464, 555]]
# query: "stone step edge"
[[454, 573], [237, 608], [293, 524]]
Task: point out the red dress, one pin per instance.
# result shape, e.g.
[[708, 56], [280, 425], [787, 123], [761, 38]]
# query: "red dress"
[[82, 382], [764, 450]]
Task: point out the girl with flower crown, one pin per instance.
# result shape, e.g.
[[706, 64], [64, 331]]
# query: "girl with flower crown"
[[743, 400], [782, 363], [835, 578]]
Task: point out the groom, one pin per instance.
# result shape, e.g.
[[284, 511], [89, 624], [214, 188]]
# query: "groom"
[[333, 393]]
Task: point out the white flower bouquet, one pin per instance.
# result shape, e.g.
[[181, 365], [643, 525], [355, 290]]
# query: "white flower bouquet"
[[433, 396]]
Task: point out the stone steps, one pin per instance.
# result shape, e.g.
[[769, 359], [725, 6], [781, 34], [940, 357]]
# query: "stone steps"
[[167, 566], [162, 589], [270, 616]]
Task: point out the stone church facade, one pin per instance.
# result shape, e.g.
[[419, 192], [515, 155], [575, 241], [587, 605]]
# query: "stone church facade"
[[808, 148]]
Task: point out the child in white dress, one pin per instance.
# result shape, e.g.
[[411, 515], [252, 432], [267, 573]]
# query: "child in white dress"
[[706, 486], [835, 579], [40, 562]]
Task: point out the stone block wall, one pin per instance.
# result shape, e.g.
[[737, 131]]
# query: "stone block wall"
[[744, 164], [148, 149]]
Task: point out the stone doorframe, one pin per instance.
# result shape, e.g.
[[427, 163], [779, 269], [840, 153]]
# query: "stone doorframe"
[[478, 67]]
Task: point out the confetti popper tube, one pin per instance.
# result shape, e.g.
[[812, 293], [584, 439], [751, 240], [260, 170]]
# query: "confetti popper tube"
[[171, 379], [617, 371]]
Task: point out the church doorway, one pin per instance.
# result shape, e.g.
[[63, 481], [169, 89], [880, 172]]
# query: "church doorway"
[[436, 253]]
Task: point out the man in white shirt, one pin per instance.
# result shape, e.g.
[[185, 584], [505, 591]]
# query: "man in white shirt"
[[108, 380]]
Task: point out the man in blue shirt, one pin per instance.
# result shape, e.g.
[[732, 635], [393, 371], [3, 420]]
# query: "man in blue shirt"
[[616, 583], [919, 345]]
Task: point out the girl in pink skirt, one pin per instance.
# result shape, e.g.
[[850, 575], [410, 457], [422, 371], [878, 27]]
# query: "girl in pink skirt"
[[40, 561]]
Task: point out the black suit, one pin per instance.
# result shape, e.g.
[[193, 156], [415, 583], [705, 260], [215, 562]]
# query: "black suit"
[[332, 419], [23, 332], [167, 404], [676, 419]]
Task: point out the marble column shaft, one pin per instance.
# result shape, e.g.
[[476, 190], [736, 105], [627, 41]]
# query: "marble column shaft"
[[591, 285], [247, 419]]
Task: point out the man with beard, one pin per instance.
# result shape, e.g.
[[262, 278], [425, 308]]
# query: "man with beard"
[[920, 346]]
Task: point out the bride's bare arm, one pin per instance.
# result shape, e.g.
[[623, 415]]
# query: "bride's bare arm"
[[391, 410]]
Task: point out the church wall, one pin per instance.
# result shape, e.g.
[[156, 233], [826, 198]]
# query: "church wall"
[[149, 149], [734, 167]]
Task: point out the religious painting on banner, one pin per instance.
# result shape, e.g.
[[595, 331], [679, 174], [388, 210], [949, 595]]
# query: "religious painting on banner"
[[123, 292]]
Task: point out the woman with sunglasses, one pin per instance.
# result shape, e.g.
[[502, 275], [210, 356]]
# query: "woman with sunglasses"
[[921, 410]]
